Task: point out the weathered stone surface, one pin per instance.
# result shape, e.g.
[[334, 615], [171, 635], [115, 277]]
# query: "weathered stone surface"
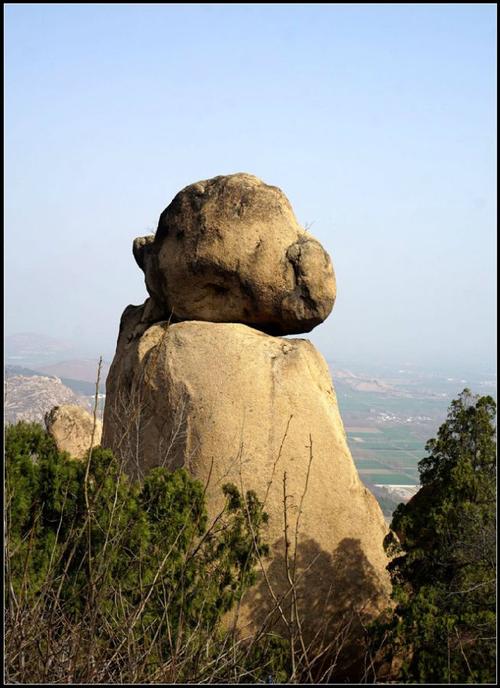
[[71, 427], [229, 249], [232, 404]]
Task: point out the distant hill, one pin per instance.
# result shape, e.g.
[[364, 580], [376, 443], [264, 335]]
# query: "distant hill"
[[42, 372], [30, 397], [30, 353], [83, 369], [79, 387], [362, 383], [36, 351], [30, 348], [12, 370]]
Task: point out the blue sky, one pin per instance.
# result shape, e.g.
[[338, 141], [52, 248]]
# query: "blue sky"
[[377, 121]]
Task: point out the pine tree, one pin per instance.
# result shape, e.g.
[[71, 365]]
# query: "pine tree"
[[127, 567], [444, 557]]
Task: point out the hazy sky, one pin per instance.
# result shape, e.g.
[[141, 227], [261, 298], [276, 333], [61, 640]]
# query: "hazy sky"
[[378, 122]]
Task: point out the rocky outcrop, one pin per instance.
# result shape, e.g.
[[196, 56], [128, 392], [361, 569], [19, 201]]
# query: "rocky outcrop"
[[72, 428], [232, 404], [229, 249], [193, 385]]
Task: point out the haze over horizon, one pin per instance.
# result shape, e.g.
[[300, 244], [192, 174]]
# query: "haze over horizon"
[[377, 122]]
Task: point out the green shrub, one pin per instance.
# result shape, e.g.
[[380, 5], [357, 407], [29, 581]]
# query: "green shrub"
[[101, 569], [444, 565]]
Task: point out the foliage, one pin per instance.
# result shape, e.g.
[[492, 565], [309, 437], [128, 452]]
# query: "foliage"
[[113, 581], [110, 567], [444, 557]]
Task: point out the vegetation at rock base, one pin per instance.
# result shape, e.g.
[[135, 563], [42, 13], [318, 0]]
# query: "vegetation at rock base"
[[113, 581], [444, 559], [109, 580]]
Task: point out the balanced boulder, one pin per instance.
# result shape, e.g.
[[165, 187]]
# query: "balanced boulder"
[[199, 382], [72, 428], [229, 249]]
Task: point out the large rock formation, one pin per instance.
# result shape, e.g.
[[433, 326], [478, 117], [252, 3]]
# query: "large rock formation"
[[233, 404], [72, 428], [229, 249]]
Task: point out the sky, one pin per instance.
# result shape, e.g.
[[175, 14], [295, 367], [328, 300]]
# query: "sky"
[[377, 121]]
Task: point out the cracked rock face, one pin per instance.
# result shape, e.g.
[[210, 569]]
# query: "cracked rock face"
[[229, 249]]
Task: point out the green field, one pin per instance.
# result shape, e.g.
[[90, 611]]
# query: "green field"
[[387, 457], [387, 432]]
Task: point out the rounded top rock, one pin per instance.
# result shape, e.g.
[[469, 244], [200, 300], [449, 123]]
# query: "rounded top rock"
[[229, 249], [73, 429]]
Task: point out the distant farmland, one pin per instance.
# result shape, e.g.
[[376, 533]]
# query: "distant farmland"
[[387, 432], [388, 456]]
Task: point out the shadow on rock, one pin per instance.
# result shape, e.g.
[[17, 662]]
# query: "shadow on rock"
[[334, 595]]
